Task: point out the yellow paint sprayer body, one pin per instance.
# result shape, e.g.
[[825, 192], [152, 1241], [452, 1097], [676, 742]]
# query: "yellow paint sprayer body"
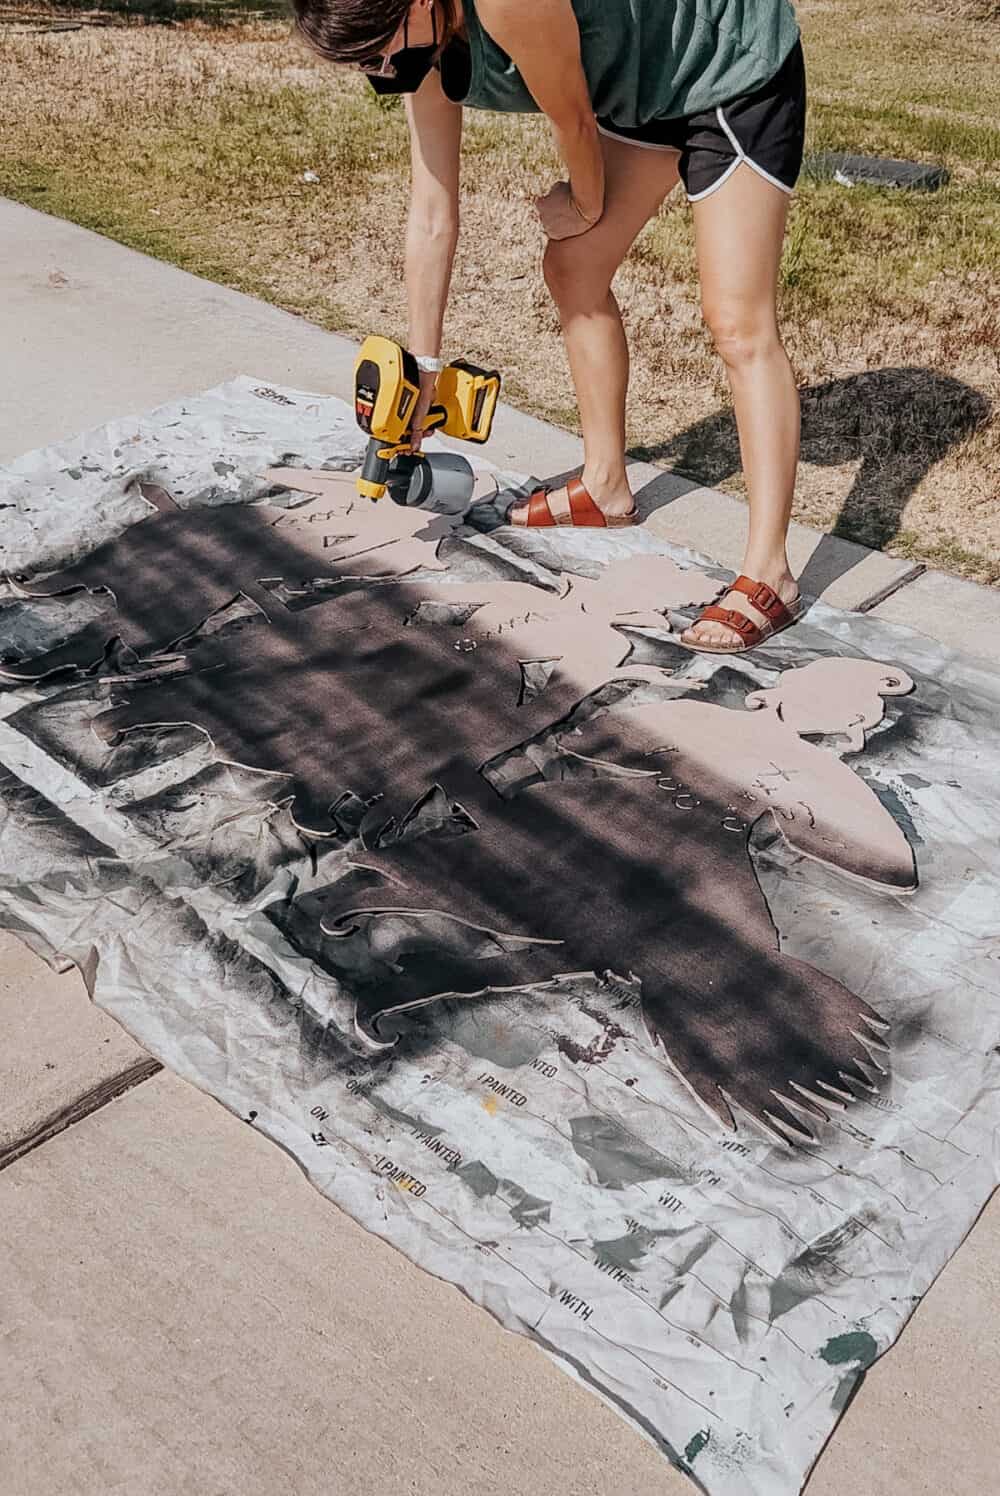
[[386, 390]]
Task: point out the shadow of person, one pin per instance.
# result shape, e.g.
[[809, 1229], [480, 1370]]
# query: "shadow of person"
[[896, 423]]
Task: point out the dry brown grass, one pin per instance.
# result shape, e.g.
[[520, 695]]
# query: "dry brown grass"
[[190, 142], [975, 10]]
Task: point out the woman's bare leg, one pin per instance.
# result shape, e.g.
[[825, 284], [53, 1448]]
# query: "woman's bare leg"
[[739, 232], [578, 273]]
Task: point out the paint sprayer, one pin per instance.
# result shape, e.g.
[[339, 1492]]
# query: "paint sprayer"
[[386, 391]]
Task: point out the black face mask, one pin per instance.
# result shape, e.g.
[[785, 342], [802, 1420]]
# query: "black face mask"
[[410, 65]]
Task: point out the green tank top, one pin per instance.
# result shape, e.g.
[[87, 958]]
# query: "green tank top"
[[649, 59]]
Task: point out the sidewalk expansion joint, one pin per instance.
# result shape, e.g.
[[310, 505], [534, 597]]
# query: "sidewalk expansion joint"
[[891, 588], [67, 1116]]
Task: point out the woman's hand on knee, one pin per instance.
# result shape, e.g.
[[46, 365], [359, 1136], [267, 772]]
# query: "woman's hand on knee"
[[560, 215]]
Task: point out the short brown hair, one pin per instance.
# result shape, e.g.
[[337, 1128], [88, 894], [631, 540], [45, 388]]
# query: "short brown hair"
[[355, 30]]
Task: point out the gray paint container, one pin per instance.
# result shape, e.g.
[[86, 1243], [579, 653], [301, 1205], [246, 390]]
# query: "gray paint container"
[[443, 482]]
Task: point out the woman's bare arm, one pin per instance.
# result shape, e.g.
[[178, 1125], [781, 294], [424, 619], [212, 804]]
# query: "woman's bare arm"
[[432, 225], [543, 38]]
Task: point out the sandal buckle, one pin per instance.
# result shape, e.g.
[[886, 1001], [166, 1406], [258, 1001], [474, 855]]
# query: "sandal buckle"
[[764, 597]]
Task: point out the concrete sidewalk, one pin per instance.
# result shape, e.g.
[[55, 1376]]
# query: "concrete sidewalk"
[[182, 1312]]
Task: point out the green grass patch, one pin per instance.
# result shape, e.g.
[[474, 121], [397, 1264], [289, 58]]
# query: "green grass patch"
[[948, 555], [896, 130]]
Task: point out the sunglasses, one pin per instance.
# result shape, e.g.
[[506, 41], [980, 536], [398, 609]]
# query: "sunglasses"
[[380, 64], [373, 67]]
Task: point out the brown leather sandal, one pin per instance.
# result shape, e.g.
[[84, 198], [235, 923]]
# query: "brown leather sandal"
[[778, 616], [580, 511]]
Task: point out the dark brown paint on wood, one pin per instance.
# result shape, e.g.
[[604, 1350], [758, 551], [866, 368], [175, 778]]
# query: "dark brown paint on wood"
[[606, 874]]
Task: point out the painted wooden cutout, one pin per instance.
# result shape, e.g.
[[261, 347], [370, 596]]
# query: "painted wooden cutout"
[[457, 890]]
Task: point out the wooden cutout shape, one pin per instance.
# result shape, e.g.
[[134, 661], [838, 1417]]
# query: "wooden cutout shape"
[[576, 630], [834, 696], [757, 764], [392, 539], [564, 878], [630, 879]]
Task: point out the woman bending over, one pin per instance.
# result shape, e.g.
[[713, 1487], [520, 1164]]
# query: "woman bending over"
[[640, 94]]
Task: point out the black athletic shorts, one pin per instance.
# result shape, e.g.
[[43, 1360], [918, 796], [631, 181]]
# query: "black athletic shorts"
[[766, 129]]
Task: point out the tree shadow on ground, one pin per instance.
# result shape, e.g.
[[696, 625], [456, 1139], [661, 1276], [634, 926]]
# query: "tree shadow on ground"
[[296, 663], [897, 422]]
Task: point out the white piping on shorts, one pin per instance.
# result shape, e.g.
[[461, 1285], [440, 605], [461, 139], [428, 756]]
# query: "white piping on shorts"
[[644, 145], [741, 155]]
